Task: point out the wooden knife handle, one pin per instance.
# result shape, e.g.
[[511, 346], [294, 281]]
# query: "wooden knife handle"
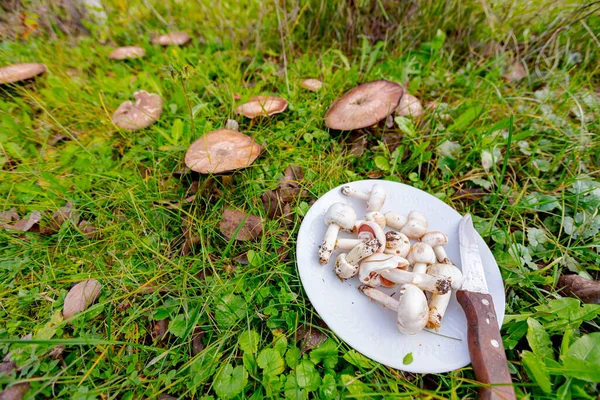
[[485, 346]]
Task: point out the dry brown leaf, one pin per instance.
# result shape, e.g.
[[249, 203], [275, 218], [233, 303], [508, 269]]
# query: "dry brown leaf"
[[284, 251], [88, 230], [57, 351], [309, 337], [29, 223], [8, 216], [588, 291], [80, 297], [197, 345], [516, 73], [251, 225], [272, 203], [62, 215], [469, 193], [7, 367], [16, 391], [160, 329]]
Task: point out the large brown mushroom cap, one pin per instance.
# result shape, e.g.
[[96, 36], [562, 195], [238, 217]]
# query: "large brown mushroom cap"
[[364, 106], [147, 110], [262, 106], [20, 72], [173, 38], [131, 52], [221, 150]]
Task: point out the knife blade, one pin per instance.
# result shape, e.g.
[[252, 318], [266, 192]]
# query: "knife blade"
[[485, 342]]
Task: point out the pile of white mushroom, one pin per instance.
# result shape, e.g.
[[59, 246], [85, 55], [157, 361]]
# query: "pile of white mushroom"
[[382, 255]]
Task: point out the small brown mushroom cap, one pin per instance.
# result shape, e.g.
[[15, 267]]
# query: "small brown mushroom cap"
[[146, 111], [409, 106], [221, 150], [173, 38], [131, 52], [314, 85], [20, 72], [262, 106], [364, 105]]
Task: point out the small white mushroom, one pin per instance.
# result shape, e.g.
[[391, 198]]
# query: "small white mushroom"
[[395, 221], [411, 309], [375, 198], [439, 302], [233, 125], [416, 225], [371, 230], [346, 265], [338, 216], [396, 243], [437, 240], [374, 216], [430, 283], [421, 255], [371, 267]]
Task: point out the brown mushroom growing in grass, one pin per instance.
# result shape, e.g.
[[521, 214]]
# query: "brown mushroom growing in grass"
[[364, 106], [409, 106], [20, 72], [314, 85], [146, 110], [127, 52], [262, 106], [172, 39], [220, 151]]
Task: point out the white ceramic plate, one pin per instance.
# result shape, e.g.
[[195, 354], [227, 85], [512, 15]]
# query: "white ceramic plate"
[[368, 327]]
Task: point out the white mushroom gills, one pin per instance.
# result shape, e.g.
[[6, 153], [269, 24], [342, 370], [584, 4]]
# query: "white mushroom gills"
[[421, 255], [346, 265], [437, 240], [396, 243], [439, 302], [416, 225], [338, 216], [395, 221], [371, 268], [375, 198]]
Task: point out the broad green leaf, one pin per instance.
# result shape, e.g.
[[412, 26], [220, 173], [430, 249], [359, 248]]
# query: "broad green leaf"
[[536, 369], [49, 329], [327, 352], [438, 41], [248, 341], [406, 126], [293, 391], [583, 358], [575, 367], [177, 325], [249, 362], [538, 339], [408, 359], [307, 376], [382, 163], [464, 120], [230, 309], [355, 386], [587, 348], [280, 344], [230, 381], [328, 389], [292, 356], [271, 362]]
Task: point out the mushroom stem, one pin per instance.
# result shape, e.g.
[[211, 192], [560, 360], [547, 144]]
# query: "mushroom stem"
[[379, 297], [347, 244], [430, 283], [395, 221], [328, 243], [350, 192], [375, 198], [437, 308], [346, 265]]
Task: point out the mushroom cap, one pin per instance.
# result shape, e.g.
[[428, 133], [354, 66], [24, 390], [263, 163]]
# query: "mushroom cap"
[[131, 52], [376, 217], [262, 106], [372, 230], [421, 253], [20, 72], [342, 215], [364, 105], [377, 198], [448, 271], [370, 267], [146, 111], [435, 239], [397, 243], [221, 150], [413, 311], [416, 225], [409, 106], [314, 85], [172, 38], [343, 269]]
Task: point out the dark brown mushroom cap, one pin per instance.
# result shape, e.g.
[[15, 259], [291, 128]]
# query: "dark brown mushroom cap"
[[314, 85], [364, 105], [173, 38], [221, 150], [262, 106], [122, 53], [147, 110], [20, 72]]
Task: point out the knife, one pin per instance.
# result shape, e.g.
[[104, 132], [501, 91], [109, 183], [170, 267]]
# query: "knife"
[[485, 343]]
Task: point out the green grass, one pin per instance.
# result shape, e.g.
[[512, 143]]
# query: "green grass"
[[536, 205]]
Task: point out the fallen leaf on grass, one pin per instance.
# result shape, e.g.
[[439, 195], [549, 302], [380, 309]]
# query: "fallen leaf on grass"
[[88, 230], [581, 288], [251, 225], [516, 73], [272, 203], [160, 329], [8, 216], [16, 392], [62, 215], [290, 184], [80, 297], [29, 223], [57, 351], [7, 367], [310, 337], [197, 345], [469, 193]]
